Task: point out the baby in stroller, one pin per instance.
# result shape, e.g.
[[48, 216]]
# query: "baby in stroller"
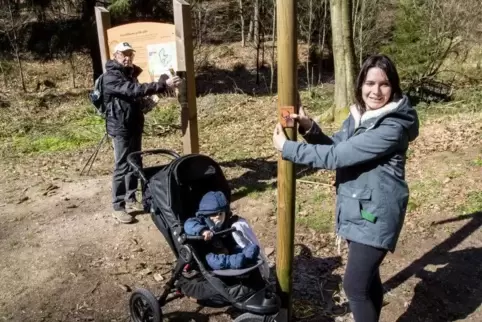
[[189, 202], [227, 253]]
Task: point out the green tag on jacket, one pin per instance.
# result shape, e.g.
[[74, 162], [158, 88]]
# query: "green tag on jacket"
[[368, 216]]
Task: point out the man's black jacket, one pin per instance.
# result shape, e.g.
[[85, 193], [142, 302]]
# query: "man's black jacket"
[[122, 95]]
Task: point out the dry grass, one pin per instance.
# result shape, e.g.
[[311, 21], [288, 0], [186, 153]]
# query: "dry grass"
[[234, 128]]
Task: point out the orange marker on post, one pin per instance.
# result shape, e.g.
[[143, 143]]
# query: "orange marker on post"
[[285, 119]]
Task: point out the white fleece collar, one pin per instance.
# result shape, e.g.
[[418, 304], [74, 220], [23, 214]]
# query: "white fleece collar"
[[369, 114]]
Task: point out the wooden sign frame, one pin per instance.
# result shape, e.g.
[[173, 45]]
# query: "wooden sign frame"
[[180, 34]]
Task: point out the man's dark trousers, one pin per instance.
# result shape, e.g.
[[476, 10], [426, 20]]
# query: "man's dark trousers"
[[124, 181]]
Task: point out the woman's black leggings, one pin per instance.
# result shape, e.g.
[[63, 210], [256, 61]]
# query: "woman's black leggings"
[[362, 282]]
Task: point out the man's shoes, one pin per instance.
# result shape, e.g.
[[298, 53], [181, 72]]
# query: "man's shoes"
[[132, 206], [122, 216]]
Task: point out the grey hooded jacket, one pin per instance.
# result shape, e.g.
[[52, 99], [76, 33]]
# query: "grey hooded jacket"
[[369, 156]]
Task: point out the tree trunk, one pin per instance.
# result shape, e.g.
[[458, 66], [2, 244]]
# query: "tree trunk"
[[321, 40], [241, 16], [310, 25], [262, 49], [343, 57], [360, 33], [14, 43], [257, 64], [20, 69], [349, 49], [273, 48], [4, 74], [250, 30], [199, 33], [262, 35], [257, 43], [72, 67], [256, 23], [354, 16]]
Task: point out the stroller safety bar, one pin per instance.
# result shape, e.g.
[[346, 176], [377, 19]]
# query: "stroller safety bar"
[[219, 233], [133, 157]]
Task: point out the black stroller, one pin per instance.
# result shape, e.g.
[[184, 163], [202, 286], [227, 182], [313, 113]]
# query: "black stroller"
[[171, 193]]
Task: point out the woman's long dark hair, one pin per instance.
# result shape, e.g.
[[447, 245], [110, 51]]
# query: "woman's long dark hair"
[[385, 64]]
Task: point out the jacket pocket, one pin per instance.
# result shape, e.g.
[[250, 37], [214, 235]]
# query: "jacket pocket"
[[353, 204]]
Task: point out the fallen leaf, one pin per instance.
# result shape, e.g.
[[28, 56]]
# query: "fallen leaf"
[[145, 271], [22, 200], [95, 287], [124, 287], [268, 251], [158, 277]]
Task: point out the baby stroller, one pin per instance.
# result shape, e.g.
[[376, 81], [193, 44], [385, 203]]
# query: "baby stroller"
[[171, 194]]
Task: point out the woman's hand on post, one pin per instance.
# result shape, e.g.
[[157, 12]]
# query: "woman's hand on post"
[[279, 137], [303, 119]]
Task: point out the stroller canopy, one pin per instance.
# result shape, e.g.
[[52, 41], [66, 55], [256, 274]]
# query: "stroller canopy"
[[177, 189]]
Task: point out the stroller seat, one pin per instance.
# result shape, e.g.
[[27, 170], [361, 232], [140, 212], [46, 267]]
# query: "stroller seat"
[[237, 272]]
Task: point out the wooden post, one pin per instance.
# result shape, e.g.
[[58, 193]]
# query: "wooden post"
[[185, 66], [287, 102], [102, 20]]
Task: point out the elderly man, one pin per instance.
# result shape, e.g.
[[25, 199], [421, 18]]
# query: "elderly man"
[[123, 97]]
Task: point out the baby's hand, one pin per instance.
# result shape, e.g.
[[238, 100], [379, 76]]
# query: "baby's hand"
[[207, 235]]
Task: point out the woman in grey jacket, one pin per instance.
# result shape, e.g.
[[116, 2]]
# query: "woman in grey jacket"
[[368, 154]]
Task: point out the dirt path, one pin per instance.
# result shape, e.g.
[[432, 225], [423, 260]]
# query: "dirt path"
[[63, 258]]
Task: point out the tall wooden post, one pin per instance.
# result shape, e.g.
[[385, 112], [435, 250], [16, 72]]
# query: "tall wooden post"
[[185, 66], [102, 19], [287, 103]]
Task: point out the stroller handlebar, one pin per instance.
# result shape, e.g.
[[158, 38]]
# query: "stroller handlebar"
[[132, 159], [218, 233]]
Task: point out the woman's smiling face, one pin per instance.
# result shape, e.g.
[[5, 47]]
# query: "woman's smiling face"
[[376, 89]]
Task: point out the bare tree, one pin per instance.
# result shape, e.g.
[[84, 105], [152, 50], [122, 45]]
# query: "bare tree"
[[322, 38], [368, 31], [250, 29], [5, 69], [11, 22], [256, 22], [273, 47], [310, 32], [241, 16], [311, 21], [201, 15], [450, 28], [61, 12], [360, 32], [432, 33], [343, 54]]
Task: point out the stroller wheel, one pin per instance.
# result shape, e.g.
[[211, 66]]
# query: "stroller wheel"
[[250, 317], [144, 306]]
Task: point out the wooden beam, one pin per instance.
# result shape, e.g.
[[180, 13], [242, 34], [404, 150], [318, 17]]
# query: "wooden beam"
[[287, 101], [102, 20], [185, 66]]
